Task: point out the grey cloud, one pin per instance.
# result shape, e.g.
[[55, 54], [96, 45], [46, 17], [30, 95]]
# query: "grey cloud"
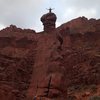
[[27, 13], [76, 8], [19, 12], [82, 3]]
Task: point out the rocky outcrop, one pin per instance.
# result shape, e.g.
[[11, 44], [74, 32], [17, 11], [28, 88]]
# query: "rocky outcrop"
[[13, 28], [81, 25], [48, 21]]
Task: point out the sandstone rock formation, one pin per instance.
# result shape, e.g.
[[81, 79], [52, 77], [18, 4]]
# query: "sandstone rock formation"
[[49, 20], [62, 64]]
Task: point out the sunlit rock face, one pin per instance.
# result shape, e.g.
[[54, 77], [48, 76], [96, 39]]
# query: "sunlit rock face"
[[48, 65], [56, 64]]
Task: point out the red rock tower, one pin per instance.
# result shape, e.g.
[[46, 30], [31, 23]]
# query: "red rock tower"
[[49, 20]]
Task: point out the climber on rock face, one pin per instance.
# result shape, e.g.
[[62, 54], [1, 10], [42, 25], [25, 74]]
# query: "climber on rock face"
[[34, 98]]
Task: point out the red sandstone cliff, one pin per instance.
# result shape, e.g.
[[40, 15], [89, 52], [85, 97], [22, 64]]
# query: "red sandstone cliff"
[[63, 64], [82, 25]]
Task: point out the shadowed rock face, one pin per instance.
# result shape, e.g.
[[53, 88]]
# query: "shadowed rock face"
[[16, 60], [56, 65]]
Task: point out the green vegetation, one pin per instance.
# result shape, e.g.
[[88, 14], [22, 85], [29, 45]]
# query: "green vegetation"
[[95, 98]]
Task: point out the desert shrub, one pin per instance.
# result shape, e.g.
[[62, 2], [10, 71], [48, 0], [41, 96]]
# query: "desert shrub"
[[93, 88], [71, 98], [95, 98]]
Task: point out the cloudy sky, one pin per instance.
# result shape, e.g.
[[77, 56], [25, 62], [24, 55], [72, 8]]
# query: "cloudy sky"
[[27, 13]]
